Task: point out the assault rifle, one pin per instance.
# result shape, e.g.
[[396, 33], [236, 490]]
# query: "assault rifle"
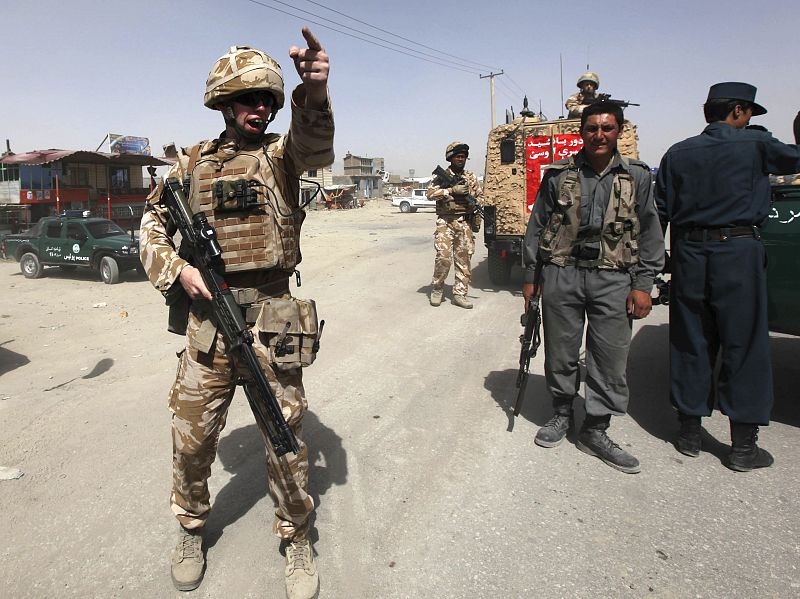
[[530, 340], [609, 99], [205, 254], [448, 181]]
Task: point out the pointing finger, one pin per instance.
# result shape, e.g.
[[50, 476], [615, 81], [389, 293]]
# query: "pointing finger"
[[313, 42]]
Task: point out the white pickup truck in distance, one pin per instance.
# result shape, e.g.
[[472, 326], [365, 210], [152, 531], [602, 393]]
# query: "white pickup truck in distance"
[[411, 203]]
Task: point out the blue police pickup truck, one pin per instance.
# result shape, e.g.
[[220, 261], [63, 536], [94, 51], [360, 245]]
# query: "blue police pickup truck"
[[74, 239]]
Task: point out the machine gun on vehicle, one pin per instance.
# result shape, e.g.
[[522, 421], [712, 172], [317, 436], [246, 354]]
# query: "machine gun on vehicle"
[[610, 100], [203, 251]]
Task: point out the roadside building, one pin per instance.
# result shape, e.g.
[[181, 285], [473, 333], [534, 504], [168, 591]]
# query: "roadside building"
[[366, 174], [43, 182], [322, 177]]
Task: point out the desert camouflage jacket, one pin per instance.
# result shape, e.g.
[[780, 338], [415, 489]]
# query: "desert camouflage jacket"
[[307, 145], [435, 192]]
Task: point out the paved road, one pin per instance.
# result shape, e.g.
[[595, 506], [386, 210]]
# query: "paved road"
[[423, 491]]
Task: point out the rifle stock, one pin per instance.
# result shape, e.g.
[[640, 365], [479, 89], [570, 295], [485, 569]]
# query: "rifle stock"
[[205, 254]]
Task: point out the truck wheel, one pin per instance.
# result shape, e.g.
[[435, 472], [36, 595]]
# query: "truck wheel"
[[109, 271], [499, 268], [30, 266], [405, 207]]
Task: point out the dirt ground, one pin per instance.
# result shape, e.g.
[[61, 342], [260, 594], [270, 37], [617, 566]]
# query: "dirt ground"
[[425, 485]]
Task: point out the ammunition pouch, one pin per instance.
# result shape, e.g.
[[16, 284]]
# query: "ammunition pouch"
[[235, 195], [289, 329], [475, 222], [179, 303]]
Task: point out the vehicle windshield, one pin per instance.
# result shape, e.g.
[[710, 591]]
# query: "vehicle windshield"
[[105, 228]]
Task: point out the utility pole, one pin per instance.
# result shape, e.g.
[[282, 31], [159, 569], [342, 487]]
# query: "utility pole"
[[491, 77]]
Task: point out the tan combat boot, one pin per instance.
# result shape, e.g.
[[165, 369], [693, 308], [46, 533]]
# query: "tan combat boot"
[[462, 302], [302, 580], [436, 297], [188, 562]]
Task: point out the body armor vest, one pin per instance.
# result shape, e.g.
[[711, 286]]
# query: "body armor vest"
[[245, 200], [452, 205], [618, 239]]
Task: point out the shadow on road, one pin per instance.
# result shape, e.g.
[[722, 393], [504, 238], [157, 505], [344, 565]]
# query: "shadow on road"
[[648, 380], [101, 367], [537, 406], [242, 453], [11, 360]]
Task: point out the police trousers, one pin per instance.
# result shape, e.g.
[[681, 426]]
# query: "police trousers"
[[718, 305], [571, 298], [199, 401], [454, 243]]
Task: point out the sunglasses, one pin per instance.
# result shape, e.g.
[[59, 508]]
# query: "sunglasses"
[[253, 99]]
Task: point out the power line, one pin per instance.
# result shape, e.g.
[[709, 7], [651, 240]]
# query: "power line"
[[519, 88], [401, 37], [437, 61]]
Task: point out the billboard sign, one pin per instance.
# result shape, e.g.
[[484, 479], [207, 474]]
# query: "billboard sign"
[[129, 144]]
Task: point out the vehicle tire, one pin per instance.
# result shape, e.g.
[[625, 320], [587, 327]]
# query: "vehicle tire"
[[405, 207], [30, 266], [499, 268], [109, 270]]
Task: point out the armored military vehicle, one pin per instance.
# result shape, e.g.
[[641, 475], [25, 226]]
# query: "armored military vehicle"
[[515, 155]]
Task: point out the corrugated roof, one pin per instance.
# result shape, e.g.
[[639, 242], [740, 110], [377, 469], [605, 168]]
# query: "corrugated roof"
[[38, 157]]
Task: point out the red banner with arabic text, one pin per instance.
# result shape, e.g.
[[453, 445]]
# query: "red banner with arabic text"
[[537, 154]]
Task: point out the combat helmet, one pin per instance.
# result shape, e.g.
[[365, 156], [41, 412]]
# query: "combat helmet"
[[457, 147], [243, 69], [589, 76]]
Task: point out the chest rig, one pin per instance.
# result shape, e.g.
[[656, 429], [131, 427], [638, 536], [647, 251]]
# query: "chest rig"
[[249, 203], [618, 242], [452, 205]]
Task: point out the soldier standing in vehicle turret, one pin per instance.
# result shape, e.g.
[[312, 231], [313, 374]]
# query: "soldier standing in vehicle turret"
[[588, 83], [260, 250], [595, 229], [454, 240]]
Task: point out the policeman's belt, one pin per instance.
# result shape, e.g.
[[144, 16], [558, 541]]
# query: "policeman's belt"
[[718, 234]]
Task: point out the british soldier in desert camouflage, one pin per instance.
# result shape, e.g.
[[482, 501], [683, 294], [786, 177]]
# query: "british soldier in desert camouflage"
[[261, 250], [454, 240]]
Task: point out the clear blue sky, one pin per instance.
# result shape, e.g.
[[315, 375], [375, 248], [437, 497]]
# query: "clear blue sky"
[[76, 69]]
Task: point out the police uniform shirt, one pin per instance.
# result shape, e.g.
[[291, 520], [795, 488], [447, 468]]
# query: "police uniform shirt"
[[595, 195], [719, 178]]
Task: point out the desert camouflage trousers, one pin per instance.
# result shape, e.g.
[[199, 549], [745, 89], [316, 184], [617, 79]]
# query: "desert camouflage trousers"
[[199, 401], [454, 243]]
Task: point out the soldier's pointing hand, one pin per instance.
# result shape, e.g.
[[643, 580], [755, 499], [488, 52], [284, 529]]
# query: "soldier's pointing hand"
[[312, 66]]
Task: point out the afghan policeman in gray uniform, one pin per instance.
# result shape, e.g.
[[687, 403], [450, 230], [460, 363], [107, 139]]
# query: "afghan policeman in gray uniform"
[[595, 233], [713, 189]]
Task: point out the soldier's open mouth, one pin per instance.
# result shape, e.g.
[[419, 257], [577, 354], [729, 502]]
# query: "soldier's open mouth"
[[257, 123]]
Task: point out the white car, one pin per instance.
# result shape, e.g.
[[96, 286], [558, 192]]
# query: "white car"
[[411, 203]]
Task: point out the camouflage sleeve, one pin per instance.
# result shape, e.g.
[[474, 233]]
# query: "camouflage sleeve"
[[434, 192], [309, 144], [573, 102], [156, 248]]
